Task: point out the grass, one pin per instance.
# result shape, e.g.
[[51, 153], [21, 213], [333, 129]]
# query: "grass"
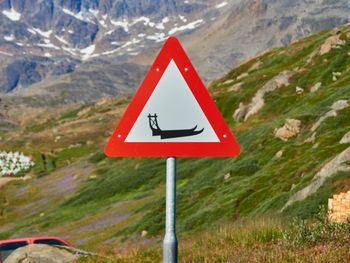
[[44, 164], [256, 177], [267, 239], [70, 114], [74, 153], [309, 208], [258, 181]]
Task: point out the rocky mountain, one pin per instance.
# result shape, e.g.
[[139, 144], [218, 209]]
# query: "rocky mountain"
[[250, 27], [40, 39]]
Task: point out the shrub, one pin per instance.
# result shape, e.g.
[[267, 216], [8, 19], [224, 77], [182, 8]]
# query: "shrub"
[[323, 231]]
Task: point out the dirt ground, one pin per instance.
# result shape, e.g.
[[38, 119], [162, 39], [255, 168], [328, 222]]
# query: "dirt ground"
[[5, 180]]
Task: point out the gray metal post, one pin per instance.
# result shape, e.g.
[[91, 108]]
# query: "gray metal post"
[[170, 241]]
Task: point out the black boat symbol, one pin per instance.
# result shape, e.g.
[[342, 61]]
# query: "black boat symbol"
[[168, 134]]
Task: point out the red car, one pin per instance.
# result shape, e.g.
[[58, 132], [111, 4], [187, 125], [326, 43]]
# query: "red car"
[[8, 246]]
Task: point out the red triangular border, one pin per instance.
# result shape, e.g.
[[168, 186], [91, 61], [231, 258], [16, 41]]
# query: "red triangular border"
[[228, 146]]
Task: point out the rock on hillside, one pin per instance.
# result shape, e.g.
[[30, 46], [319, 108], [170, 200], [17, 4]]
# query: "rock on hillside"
[[290, 129], [339, 163], [41, 254], [257, 102], [346, 138]]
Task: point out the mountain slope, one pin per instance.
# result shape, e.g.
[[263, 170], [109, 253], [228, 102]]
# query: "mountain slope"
[[292, 110], [250, 27], [49, 38], [41, 39]]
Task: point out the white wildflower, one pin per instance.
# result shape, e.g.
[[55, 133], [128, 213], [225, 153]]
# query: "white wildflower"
[[13, 163]]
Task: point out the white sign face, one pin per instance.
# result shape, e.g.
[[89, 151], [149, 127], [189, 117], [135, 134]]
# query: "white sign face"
[[172, 114]]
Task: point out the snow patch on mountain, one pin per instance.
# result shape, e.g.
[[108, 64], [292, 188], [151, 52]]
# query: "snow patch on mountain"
[[72, 51], [221, 5], [9, 38], [48, 45], [189, 26], [123, 23], [160, 25], [103, 23], [6, 53], [110, 52], [61, 39], [146, 21], [87, 52], [157, 37], [35, 31], [183, 19], [94, 12], [12, 14], [31, 31], [80, 16]]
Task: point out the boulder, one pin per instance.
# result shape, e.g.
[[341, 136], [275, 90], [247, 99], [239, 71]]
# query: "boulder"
[[279, 154], [330, 43], [346, 138], [316, 87], [104, 101], [242, 76], [241, 112], [236, 87], [256, 65], [290, 129], [330, 169], [340, 105], [335, 75], [312, 138], [41, 254], [144, 233], [257, 102], [336, 106], [83, 111], [227, 82], [299, 90]]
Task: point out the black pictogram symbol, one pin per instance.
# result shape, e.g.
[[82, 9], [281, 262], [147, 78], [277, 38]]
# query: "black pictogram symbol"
[[168, 134]]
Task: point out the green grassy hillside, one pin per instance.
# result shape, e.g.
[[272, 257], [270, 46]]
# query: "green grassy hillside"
[[98, 202]]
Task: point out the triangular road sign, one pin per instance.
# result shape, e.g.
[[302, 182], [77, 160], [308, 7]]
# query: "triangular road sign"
[[172, 114]]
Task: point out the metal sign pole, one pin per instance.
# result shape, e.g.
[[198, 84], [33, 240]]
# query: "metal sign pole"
[[170, 241]]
